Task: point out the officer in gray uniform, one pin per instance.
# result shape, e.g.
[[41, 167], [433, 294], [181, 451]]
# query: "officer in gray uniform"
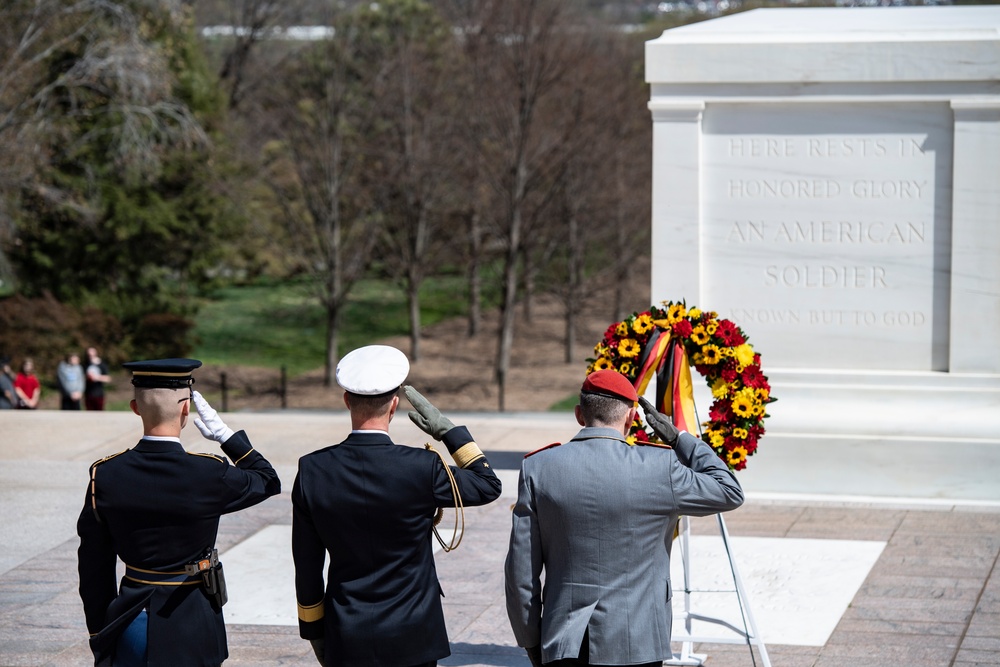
[[157, 507], [597, 516]]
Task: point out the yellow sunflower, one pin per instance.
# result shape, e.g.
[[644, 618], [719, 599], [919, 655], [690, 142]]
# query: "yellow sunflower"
[[676, 312], [694, 313], [737, 456], [716, 438], [712, 327], [621, 329], [601, 350], [742, 405], [711, 354], [602, 364], [740, 433], [629, 347], [699, 335], [626, 368], [642, 324]]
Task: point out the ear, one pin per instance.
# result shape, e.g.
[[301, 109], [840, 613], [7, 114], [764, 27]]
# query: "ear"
[[579, 415], [347, 401], [135, 406], [631, 418], [185, 408], [393, 406]]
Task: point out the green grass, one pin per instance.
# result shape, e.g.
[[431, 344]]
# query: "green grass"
[[284, 325], [565, 405]]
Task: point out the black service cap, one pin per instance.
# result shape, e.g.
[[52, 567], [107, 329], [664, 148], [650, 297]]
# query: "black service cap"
[[162, 373]]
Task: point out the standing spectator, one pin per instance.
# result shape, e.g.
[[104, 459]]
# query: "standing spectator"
[[26, 384], [597, 515], [8, 397], [97, 377], [71, 382]]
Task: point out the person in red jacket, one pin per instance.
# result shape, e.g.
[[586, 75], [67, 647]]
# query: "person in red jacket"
[[27, 387]]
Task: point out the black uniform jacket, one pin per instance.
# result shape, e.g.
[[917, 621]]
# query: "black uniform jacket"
[[157, 507], [370, 504]]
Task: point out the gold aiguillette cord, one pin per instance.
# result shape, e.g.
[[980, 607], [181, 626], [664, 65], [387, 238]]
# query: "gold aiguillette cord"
[[459, 528]]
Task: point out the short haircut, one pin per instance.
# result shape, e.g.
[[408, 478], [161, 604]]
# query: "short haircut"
[[369, 407], [601, 410], [157, 405]]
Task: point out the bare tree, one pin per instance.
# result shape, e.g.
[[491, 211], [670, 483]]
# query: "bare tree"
[[414, 142], [319, 115], [527, 44]]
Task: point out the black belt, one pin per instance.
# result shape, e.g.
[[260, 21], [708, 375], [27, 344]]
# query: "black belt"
[[155, 578]]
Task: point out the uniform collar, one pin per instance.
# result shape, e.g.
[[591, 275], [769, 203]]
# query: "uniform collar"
[[159, 444], [368, 438], [599, 432]]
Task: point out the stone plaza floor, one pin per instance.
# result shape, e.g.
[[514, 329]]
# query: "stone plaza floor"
[[907, 579]]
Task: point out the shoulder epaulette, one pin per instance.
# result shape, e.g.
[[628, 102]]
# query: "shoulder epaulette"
[[107, 458], [93, 482], [654, 444], [542, 449], [220, 459]]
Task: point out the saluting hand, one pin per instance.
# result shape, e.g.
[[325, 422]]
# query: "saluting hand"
[[208, 420], [661, 424], [428, 418]]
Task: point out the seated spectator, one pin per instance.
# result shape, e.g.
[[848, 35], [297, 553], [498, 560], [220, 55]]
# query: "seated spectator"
[[27, 386]]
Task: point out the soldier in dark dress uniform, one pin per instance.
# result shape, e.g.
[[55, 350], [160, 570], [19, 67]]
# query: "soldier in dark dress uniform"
[[370, 504], [157, 507]]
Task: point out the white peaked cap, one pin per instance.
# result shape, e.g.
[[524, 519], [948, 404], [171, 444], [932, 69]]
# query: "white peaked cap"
[[372, 370]]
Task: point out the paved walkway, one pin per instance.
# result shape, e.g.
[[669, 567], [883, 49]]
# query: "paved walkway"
[[927, 595]]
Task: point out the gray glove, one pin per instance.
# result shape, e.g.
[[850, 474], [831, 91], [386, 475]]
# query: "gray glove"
[[208, 420], [428, 418], [535, 655], [319, 648], [660, 423]]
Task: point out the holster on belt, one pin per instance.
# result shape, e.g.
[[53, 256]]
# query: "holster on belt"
[[213, 580]]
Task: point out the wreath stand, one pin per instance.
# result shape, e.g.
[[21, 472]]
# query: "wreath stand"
[[747, 635]]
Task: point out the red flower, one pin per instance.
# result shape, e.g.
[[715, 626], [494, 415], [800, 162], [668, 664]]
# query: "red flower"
[[720, 411], [752, 377], [729, 333], [729, 372], [682, 328]]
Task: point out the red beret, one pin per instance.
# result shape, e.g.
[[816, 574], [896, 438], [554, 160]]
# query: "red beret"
[[610, 383]]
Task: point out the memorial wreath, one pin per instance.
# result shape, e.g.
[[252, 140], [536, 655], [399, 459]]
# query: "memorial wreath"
[[664, 342]]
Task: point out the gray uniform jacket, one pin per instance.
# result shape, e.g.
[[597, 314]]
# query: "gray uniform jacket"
[[598, 516]]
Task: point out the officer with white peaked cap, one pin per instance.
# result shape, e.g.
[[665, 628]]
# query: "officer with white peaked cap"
[[370, 504]]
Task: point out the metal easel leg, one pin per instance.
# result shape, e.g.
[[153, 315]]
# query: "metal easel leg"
[[748, 635]]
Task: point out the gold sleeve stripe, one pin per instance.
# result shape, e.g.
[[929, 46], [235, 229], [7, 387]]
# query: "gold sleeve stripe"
[[237, 461], [312, 613], [466, 454]]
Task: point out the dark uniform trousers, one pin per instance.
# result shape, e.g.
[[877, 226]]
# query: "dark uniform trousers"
[[370, 504], [157, 507]]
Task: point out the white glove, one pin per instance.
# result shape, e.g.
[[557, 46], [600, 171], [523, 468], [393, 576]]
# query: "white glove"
[[208, 420]]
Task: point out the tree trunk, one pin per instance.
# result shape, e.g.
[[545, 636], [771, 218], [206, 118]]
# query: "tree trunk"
[[507, 315], [475, 277], [413, 295], [572, 283], [332, 339], [529, 286]]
